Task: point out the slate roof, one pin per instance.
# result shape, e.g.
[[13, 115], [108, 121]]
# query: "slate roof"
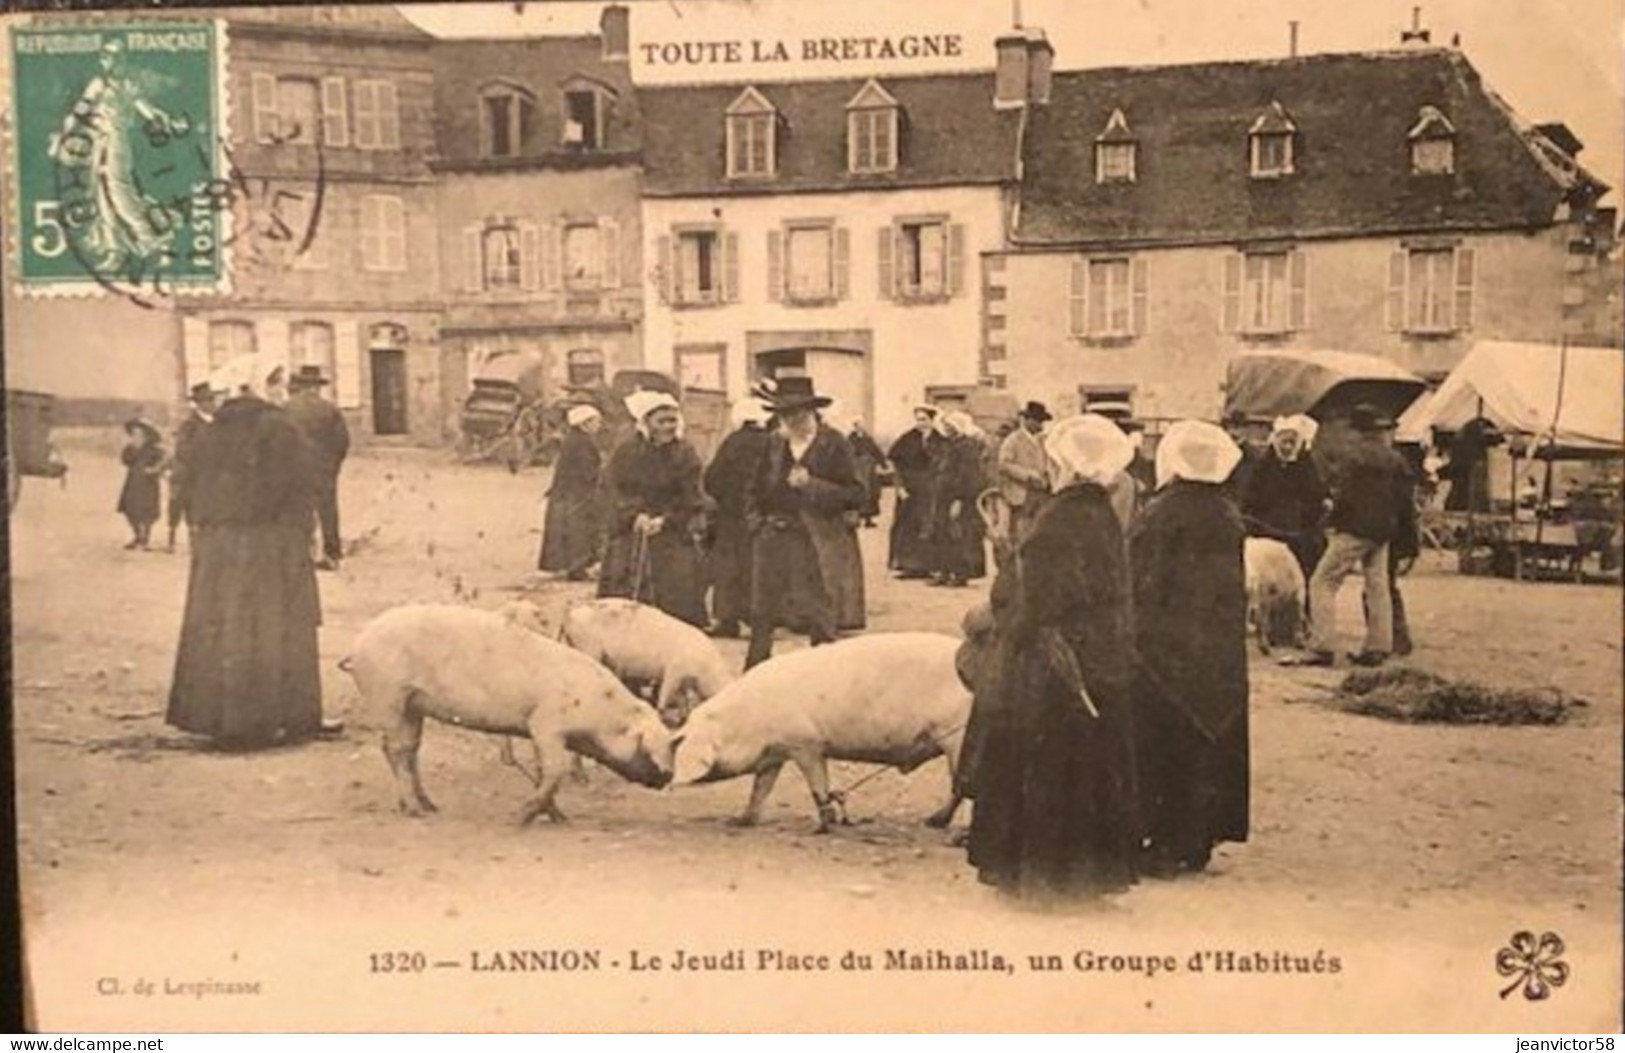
[[1351, 155], [949, 131]]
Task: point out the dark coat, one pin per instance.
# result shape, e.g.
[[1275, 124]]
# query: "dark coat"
[[1190, 636], [824, 510], [246, 671], [1285, 500], [647, 479], [139, 500], [322, 425], [1055, 788], [573, 527], [728, 480], [180, 465], [868, 457], [911, 459], [956, 539], [1365, 486]]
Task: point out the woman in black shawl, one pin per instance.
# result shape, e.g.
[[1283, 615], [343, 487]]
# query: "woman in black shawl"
[[571, 532], [1285, 498], [911, 459], [956, 550], [246, 671], [1051, 731], [1190, 633], [139, 500], [727, 480], [869, 459], [655, 503]]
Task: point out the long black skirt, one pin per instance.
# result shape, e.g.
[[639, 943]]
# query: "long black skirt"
[[672, 575], [247, 670]]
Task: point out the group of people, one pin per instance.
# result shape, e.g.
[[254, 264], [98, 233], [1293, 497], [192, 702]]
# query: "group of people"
[[940, 468], [253, 476], [767, 531]]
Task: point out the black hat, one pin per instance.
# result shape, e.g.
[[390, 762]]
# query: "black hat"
[[796, 393], [201, 391], [307, 377], [1036, 411], [1366, 417]]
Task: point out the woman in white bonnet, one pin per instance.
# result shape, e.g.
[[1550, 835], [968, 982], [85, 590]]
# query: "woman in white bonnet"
[[1052, 771], [1284, 497], [572, 530], [1190, 632]]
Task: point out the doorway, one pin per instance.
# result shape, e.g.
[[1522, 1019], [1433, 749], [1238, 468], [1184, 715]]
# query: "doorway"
[[388, 391]]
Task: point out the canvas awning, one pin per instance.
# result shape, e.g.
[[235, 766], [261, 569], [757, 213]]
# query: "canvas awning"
[[1263, 384], [1571, 398]]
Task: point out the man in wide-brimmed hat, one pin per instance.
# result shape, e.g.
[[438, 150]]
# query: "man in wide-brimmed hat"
[[803, 505], [1024, 468], [182, 461], [323, 427], [1366, 486]]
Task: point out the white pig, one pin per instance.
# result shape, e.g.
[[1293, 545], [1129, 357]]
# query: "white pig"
[[1275, 593], [884, 698], [643, 644], [479, 669]]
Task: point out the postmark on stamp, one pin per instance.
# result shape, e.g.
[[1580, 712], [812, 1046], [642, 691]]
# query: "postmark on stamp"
[[121, 183]]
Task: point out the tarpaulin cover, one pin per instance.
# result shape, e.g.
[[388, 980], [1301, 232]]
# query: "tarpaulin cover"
[[1520, 388], [1263, 384]]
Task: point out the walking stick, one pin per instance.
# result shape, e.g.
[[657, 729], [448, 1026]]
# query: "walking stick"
[[640, 568]]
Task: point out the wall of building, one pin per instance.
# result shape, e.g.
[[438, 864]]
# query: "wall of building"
[[914, 345], [1177, 364]]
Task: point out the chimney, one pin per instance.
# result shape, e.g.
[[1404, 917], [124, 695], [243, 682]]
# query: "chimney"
[[615, 29], [1416, 34], [1010, 84], [1040, 64], [1292, 39]]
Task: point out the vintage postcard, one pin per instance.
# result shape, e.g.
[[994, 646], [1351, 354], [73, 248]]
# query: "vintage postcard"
[[1147, 475]]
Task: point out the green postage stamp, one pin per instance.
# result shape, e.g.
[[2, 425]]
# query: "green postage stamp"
[[120, 182]]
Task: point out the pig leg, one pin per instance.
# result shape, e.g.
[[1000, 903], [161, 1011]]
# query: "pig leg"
[[552, 760], [766, 776], [402, 737], [945, 815], [816, 772]]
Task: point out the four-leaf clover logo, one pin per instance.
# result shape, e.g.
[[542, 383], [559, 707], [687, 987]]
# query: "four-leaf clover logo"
[[1536, 963]]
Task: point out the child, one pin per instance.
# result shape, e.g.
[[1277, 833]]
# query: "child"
[[143, 458]]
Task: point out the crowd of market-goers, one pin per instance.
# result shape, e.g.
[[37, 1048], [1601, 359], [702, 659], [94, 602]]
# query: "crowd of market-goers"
[[1109, 734]]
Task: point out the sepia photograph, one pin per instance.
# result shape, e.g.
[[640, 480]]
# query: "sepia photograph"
[[808, 515]]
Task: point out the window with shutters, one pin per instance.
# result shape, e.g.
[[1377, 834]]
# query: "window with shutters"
[[383, 233], [507, 120], [377, 115], [584, 367], [230, 339], [1266, 292], [501, 257], [311, 344], [922, 260], [1430, 289], [1271, 143], [698, 263], [871, 130], [809, 263], [583, 256], [752, 131], [1107, 298], [1433, 143]]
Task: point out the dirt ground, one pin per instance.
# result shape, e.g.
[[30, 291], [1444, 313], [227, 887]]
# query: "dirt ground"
[[1411, 854]]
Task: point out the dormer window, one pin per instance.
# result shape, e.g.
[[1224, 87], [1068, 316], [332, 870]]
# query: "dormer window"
[[1270, 143], [507, 120], [871, 131], [581, 119], [752, 134], [1433, 144], [1115, 151]]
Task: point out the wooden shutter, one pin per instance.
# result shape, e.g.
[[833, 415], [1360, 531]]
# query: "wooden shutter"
[[1231, 321], [195, 345], [1077, 298], [883, 253], [668, 271], [609, 234], [956, 259], [1464, 288], [1139, 279], [265, 116], [347, 364], [335, 113], [730, 267], [389, 116], [529, 248], [473, 258], [842, 264], [1395, 304], [775, 266], [552, 257], [1298, 304], [366, 115]]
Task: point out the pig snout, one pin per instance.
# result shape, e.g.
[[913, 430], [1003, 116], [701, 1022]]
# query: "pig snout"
[[643, 753]]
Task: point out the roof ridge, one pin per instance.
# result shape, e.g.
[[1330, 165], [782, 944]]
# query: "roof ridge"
[[1395, 54]]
